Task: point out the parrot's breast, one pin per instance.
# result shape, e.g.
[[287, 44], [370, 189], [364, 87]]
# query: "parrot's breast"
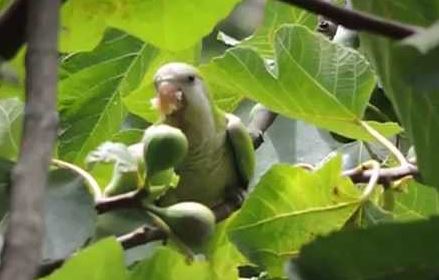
[[206, 172]]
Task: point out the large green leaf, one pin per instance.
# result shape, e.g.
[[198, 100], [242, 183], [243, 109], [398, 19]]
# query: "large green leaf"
[[93, 88], [102, 261], [224, 258], [391, 251], [11, 121], [416, 12], [12, 74], [415, 201], [323, 83], [90, 99], [168, 264], [412, 201], [70, 216], [409, 73], [69, 213], [5, 171], [10, 90], [276, 14], [172, 25], [290, 207]]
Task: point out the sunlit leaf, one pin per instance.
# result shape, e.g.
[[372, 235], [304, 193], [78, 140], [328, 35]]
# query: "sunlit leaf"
[[11, 122], [323, 83], [276, 14], [290, 207], [168, 264], [224, 258], [172, 25]]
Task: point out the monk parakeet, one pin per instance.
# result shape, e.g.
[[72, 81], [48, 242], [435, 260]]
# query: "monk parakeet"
[[218, 158]]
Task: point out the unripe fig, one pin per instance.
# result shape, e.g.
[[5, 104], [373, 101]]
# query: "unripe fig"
[[165, 147], [191, 222]]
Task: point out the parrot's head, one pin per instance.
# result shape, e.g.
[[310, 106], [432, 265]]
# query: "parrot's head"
[[179, 88]]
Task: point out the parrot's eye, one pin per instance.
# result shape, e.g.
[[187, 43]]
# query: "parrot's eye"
[[191, 78]]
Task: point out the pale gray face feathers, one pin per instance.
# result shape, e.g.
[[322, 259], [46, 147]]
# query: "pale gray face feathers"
[[177, 72], [175, 83]]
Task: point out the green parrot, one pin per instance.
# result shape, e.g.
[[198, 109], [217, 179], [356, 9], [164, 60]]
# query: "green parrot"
[[218, 159]]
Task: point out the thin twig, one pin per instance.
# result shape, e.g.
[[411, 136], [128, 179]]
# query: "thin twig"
[[386, 143], [356, 20], [24, 236], [374, 166]]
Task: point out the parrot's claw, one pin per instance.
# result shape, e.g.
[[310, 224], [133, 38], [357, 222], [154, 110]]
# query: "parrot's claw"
[[257, 137], [236, 196]]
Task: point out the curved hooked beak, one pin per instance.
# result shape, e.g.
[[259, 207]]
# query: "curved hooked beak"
[[169, 97]]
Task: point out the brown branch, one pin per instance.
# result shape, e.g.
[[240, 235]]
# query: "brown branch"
[[356, 20], [225, 209], [24, 236], [386, 175], [13, 29], [141, 236], [131, 199]]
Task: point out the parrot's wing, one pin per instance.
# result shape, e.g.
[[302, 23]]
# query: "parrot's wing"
[[242, 147]]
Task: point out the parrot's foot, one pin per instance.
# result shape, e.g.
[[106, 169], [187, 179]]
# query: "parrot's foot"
[[257, 137], [233, 201], [235, 197]]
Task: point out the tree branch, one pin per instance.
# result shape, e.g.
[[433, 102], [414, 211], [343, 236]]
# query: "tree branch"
[[356, 20], [12, 29], [131, 199], [141, 236], [24, 236], [385, 175]]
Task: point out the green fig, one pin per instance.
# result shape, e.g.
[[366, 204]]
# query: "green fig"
[[164, 148], [191, 223]]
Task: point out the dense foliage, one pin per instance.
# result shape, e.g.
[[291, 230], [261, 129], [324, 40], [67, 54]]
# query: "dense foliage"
[[335, 114]]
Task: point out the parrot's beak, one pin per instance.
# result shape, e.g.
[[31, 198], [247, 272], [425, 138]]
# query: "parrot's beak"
[[169, 97]]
